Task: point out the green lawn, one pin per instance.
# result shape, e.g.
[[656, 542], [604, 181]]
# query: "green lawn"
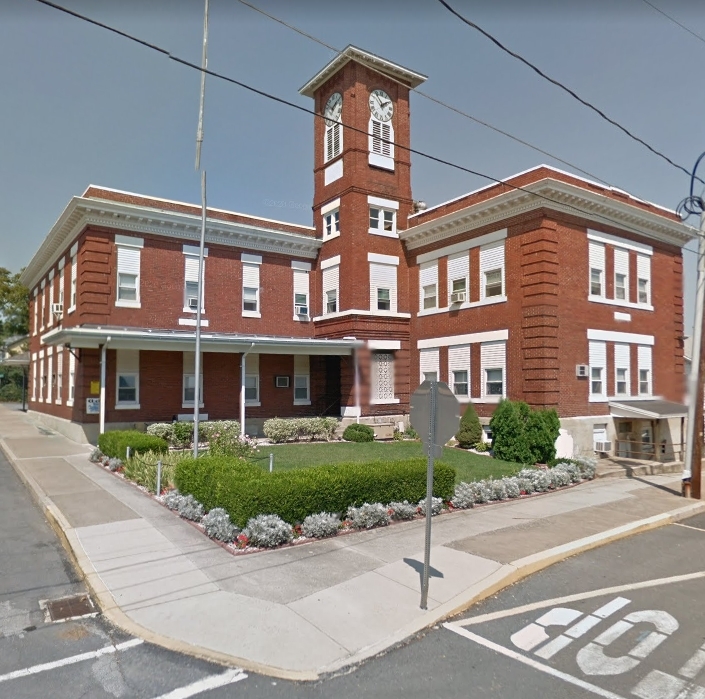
[[468, 466]]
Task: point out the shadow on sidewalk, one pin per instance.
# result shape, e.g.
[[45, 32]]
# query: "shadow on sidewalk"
[[418, 567], [666, 489]]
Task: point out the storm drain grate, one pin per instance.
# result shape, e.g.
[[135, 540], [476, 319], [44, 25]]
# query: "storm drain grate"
[[69, 608]]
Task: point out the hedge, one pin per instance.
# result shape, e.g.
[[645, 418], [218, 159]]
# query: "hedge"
[[295, 494], [115, 443], [357, 432]]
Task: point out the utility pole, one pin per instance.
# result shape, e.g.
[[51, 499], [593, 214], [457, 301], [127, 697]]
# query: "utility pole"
[[199, 141], [694, 437]]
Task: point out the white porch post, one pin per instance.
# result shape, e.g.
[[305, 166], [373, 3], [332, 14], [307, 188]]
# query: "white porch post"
[[242, 390], [103, 371], [357, 385]]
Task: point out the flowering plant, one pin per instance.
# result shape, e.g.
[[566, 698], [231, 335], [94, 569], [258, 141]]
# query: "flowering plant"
[[241, 541]]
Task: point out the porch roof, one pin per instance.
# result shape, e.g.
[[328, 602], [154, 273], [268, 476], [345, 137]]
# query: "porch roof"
[[21, 359], [184, 341], [654, 409]]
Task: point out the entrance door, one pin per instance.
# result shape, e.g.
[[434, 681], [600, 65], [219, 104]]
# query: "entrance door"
[[331, 399]]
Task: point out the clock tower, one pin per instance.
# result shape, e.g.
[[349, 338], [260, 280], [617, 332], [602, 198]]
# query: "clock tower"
[[362, 199]]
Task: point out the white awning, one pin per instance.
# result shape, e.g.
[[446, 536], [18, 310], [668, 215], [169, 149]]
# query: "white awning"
[[655, 409]]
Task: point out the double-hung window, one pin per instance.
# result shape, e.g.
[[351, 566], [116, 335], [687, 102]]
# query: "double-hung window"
[[61, 285], [331, 224], [251, 285], [493, 359], [301, 272], [621, 369], [644, 366], [128, 270], [597, 352], [252, 379], [458, 270], [429, 363], [189, 381], [36, 311], [428, 285], [59, 374], [643, 274], [72, 378], [44, 304], [331, 281], [74, 276], [621, 274], [128, 379], [302, 380], [191, 264], [383, 282], [51, 298], [596, 259], [383, 216], [459, 370], [492, 271]]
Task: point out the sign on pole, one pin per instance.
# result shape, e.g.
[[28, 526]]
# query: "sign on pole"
[[435, 415]]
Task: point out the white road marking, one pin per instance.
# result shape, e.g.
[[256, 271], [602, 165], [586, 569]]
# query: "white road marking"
[[71, 660], [661, 685], [212, 682], [454, 626], [532, 635], [693, 667], [559, 601], [689, 526]]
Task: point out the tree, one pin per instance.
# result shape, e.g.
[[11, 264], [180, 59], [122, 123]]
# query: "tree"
[[470, 432], [508, 427], [14, 305], [541, 432]]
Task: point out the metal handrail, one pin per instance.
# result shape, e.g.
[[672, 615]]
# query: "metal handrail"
[[648, 451]]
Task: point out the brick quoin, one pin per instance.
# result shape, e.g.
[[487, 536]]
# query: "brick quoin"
[[546, 314]]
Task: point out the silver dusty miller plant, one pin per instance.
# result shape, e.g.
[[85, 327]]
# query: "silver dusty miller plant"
[[368, 515], [436, 506], [267, 531], [173, 499], [464, 496], [190, 508], [403, 510], [218, 525], [320, 525]]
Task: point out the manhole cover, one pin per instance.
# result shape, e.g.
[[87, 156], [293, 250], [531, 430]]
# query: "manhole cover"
[[69, 608]]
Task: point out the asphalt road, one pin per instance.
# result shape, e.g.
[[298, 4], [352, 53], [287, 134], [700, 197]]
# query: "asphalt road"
[[619, 622]]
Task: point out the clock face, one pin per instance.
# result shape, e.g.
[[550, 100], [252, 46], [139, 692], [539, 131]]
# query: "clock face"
[[333, 109], [381, 105]]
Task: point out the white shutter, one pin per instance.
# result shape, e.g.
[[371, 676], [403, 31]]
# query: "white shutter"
[[428, 361], [493, 355], [301, 364], [644, 357], [72, 378], [621, 356], [387, 138], [129, 261], [621, 262], [330, 279], [383, 277], [128, 361], [250, 276], [192, 268], [252, 364], [491, 258], [643, 271], [300, 282], [381, 138], [428, 274], [34, 376], [597, 255], [376, 146], [74, 268], [458, 360], [49, 378], [458, 268], [597, 352]]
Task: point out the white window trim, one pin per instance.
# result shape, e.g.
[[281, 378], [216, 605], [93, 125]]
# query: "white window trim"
[[384, 205], [462, 306], [125, 405], [361, 312], [190, 403], [256, 402], [621, 303], [623, 243], [328, 210], [484, 397], [301, 401], [622, 338], [468, 339], [59, 376]]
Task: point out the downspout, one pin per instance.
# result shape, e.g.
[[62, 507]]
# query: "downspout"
[[242, 390], [103, 369]]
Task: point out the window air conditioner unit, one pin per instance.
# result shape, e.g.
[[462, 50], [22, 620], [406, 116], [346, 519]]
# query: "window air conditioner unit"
[[301, 310], [603, 447], [582, 371], [281, 381], [193, 303], [457, 297], [57, 308]]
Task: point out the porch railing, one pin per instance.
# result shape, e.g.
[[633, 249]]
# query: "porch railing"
[[649, 451]]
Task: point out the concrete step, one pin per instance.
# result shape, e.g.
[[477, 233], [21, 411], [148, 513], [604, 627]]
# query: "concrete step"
[[625, 469]]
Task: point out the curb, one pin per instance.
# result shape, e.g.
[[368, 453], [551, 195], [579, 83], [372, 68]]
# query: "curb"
[[505, 576]]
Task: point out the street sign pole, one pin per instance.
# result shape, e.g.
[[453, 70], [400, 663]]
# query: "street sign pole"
[[429, 492]]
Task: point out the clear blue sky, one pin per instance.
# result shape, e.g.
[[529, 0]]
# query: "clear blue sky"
[[84, 106]]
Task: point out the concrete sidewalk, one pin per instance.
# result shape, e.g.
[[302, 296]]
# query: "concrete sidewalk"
[[307, 610]]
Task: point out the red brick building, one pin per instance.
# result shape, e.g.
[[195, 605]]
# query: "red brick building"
[[546, 288]]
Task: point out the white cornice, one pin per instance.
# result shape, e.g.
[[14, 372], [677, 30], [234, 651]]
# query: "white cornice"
[[566, 198], [376, 63], [82, 212]]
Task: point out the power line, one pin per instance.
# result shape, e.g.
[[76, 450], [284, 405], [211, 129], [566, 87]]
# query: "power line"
[[675, 21], [563, 87], [487, 125], [311, 112]]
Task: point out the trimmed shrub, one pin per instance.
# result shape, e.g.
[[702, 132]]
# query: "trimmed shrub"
[[436, 506], [368, 515], [321, 525], [464, 496], [246, 491], [165, 430], [284, 430], [182, 434], [190, 508], [279, 430], [470, 432], [209, 427], [115, 443], [541, 430], [508, 432], [358, 433], [403, 510], [218, 525], [267, 531]]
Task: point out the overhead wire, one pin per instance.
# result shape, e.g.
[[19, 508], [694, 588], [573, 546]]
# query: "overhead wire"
[[675, 21], [315, 114], [563, 87]]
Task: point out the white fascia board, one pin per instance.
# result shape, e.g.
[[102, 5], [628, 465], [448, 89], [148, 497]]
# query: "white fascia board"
[[330, 262], [625, 338], [384, 344], [330, 206], [468, 339], [601, 237], [383, 259], [382, 203], [303, 266], [486, 239]]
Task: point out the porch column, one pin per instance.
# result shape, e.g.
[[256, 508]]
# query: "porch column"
[[357, 385], [242, 389], [103, 370]]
